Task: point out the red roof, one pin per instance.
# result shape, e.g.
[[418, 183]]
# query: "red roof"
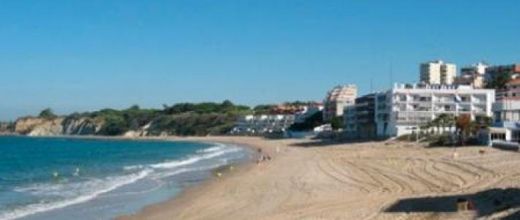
[[514, 82]]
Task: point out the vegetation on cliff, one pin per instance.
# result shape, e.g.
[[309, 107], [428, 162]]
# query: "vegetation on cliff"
[[47, 114], [179, 119]]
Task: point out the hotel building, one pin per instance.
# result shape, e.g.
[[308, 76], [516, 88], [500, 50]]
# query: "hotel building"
[[406, 107]]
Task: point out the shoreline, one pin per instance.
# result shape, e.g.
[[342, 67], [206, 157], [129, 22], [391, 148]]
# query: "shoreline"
[[189, 194], [308, 179]]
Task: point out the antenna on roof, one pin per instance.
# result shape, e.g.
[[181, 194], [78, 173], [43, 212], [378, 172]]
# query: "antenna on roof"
[[391, 73], [371, 84]]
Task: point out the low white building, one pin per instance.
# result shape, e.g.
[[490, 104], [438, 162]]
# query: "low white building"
[[406, 107], [506, 125], [262, 124]]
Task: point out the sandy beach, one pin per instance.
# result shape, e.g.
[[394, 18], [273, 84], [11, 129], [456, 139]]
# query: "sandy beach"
[[372, 180]]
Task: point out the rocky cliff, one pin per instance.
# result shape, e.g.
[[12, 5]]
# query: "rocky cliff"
[[35, 126]]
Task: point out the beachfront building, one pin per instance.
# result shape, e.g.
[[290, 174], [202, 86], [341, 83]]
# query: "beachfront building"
[[337, 99], [359, 119], [437, 72], [262, 124], [473, 75], [506, 112], [406, 107]]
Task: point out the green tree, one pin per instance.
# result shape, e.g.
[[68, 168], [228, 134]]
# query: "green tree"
[[446, 121], [263, 109], [435, 123], [499, 81], [47, 114], [336, 122]]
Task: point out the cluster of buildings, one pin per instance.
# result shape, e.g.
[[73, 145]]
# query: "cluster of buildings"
[[405, 108]]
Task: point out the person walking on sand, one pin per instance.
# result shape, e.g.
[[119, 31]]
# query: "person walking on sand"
[[260, 156]]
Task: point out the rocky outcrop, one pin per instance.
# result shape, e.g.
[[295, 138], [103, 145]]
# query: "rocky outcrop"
[[81, 126], [33, 126], [72, 125], [141, 132], [28, 124], [51, 127]]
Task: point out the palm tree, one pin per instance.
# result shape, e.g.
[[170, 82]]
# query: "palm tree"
[[464, 125], [444, 121], [447, 121], [436, 123], [481, 122]]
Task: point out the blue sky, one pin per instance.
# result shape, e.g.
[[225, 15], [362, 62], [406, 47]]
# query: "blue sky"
[[85, 55]]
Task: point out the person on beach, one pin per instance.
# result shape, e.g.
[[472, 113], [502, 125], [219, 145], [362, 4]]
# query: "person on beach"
[[260, 156]]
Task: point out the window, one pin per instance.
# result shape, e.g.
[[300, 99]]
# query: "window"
[[498, 136]]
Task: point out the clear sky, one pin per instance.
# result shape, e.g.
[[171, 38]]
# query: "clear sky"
[[77, 55]]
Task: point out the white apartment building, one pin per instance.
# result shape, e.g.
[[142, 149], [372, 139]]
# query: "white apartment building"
[[437, 72], [337, 99], [406, 107]]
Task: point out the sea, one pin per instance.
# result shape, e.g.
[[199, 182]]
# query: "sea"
[[72, 178]]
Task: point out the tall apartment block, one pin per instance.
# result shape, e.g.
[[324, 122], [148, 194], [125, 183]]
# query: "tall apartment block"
[[337, 99], [438, 72]]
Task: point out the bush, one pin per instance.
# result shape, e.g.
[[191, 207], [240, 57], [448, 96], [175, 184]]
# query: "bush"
[[442, 140], [336, 122]]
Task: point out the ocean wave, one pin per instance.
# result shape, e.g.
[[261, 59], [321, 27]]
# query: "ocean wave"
[[217, 147], [193, 159], [65, 194], [81, 192], [133, 167], [203, 154], [161, 175]]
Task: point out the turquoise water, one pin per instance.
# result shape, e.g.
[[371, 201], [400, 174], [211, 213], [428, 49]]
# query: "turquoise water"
[[60, 178]]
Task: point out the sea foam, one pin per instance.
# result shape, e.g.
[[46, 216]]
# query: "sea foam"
[[91, 189]]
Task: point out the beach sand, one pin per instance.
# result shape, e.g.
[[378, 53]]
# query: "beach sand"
[[372, 180]]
